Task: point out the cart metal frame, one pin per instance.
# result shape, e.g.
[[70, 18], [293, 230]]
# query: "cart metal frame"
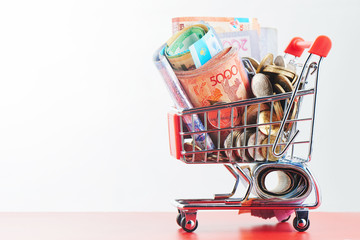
[[187, 208]]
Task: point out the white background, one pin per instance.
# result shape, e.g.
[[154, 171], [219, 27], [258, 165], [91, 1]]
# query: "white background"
[[83, 109]]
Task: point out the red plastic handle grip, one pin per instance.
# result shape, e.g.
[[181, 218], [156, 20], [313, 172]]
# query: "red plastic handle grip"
[[297, 46], [321, 46]]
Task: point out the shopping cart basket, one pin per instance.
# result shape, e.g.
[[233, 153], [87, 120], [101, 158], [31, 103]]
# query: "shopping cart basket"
[[280, 149]]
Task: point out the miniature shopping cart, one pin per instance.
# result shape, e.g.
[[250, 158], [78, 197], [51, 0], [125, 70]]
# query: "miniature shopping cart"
[[281, 152]]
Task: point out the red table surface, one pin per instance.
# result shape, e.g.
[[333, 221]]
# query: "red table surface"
[[212, 225]]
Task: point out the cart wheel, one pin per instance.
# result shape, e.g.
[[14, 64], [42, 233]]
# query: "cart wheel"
[[287, 219], [301, 225], [178, 219], [189, 226]]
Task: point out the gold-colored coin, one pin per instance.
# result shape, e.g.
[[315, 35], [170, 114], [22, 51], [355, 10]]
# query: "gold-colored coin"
[[252, 112], [292, 115], [278, 89], [264, 117], [266, 61], [189, 147], [266, 152], [284, 82], [278, 110], [272, 69], [253, 62], [214, 157], [294, 81], [294, 109]]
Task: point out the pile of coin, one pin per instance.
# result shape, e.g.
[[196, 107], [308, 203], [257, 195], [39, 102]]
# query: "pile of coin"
[[250, 137], [260, 123], [281, 77], [271, 77]]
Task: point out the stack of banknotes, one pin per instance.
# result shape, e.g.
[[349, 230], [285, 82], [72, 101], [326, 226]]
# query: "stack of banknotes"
[[202, 63], [215, 60], [293, 187]]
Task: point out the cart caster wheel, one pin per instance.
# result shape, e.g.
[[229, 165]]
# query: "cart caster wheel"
[[301, 225], [189, 226], [287, 219], [178, 219]]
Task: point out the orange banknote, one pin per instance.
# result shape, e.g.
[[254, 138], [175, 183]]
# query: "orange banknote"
[[221, 79]]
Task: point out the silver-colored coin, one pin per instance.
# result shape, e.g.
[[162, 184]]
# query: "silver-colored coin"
[[241, 142], [255, 152], [261, 85], [230, 142], [279, 61]]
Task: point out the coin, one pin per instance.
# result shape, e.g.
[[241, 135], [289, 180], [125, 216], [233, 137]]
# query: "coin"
[[278, 89], [279, 61], [241, 141], [261, 85], [278, 110], [294, 81], [264, 117], [228, 117], [294, 109], [189, 147], [255, 152], [252, 113], [272, 69], [214, 157], [230, 142], [292, 115], [284, 82], [266, 152], [253, 62], [279, 107], [267, 60]]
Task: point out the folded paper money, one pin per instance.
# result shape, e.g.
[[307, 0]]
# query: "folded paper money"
[[247, 42], [192, 47], [268, 41], [221, 79], [180, 99], [229, 31], [293, 187]]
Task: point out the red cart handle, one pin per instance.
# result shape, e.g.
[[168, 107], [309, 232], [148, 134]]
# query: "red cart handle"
[[320, 47], [297, 46]]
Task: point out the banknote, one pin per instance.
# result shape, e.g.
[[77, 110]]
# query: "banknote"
[[294, 186], [205, 48], [180, 99], [268, 41], [247, 42], [222, 79], [180, 42], [220, 24], [192, 47], [177, 47]]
